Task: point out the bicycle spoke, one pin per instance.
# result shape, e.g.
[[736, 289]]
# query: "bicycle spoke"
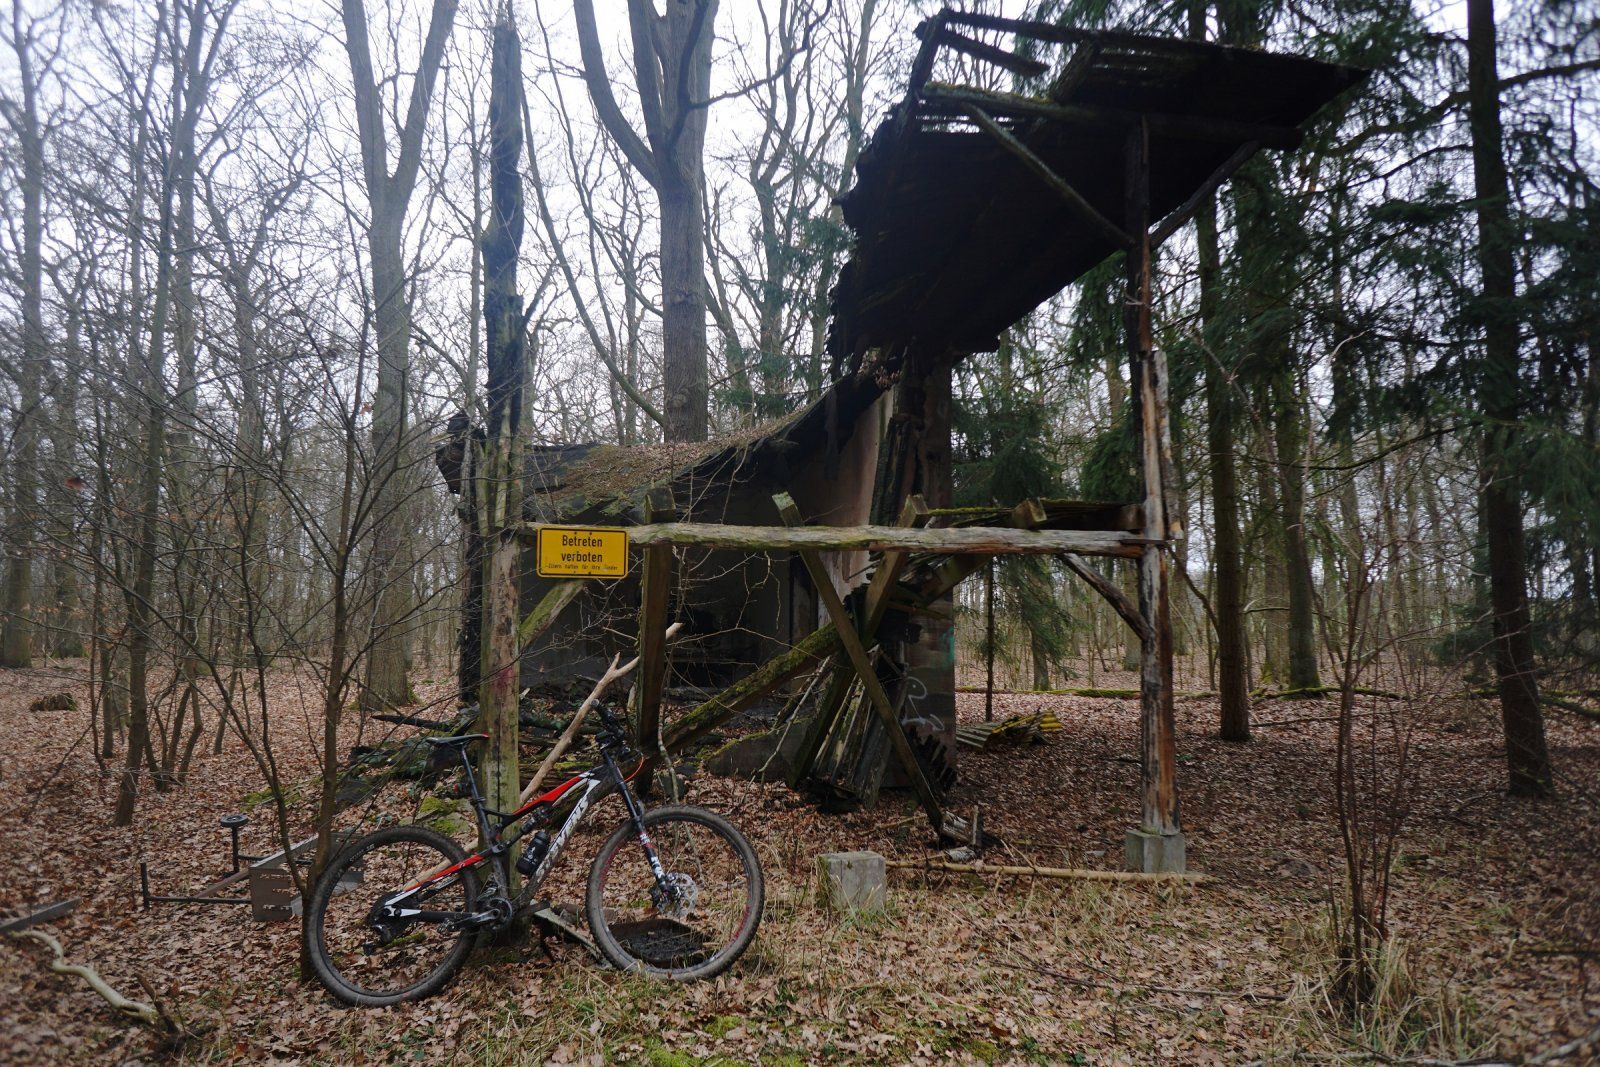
[[703, 912], [381, 957]]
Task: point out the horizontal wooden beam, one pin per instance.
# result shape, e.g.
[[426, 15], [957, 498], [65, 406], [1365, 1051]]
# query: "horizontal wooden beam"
[[960, 42], [1190, 127], [960, 540]]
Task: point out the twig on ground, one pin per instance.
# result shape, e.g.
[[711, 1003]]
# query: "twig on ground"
[[1576, 1045], [1079, 873], [134, 1009]]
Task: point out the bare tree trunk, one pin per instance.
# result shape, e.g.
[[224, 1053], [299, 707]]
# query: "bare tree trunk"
[[389, 194], [16, 628], [1499, 487], [1233, 682], [1290, 433], [502, 481], [672, 70]]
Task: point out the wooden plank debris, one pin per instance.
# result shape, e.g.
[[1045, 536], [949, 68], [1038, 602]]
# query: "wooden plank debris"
[[850, 642], [980, 735], [1083, 874]]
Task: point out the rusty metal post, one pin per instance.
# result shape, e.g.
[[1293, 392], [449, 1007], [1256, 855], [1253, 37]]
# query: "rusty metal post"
[[1157, 844]]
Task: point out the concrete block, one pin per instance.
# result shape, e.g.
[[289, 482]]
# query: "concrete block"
[[853, 883], [1154, 853]]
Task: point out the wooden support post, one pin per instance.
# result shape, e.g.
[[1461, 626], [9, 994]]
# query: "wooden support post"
[[890, 565], [850, 642], [1158, 843], [655, 589]]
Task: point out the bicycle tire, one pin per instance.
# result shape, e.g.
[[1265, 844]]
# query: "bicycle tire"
[[314, 933], [656, 821]]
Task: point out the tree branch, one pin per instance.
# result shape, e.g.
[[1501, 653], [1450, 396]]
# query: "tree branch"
[[605, 104]]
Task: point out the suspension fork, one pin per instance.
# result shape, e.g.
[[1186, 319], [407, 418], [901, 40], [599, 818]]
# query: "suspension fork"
[[636, 814]]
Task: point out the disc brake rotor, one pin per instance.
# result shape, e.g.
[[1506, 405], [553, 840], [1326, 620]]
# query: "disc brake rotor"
[[684, 895]]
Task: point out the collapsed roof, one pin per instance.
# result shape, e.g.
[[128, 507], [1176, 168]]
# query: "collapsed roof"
[[958, 233]]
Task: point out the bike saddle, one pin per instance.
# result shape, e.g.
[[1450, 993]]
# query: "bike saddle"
[[458, 741]]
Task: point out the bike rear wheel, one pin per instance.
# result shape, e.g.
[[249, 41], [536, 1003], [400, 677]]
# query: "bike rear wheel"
[[370, 962], [711, 914]]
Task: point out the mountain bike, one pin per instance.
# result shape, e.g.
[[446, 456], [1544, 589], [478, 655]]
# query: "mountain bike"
[[675, 892]]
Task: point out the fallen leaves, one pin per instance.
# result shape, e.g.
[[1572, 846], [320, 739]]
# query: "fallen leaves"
[[1483, 877]]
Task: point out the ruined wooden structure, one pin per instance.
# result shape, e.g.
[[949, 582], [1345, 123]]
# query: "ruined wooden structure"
[[971, 207]]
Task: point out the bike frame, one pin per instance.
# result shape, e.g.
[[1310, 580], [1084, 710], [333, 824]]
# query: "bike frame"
[[595, 784]]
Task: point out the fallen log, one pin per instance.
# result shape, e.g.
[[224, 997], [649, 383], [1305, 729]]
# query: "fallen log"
[[1551, 697], [402, 719], [1101, 694], [1077, 873], [702, 719], [1313, 692]]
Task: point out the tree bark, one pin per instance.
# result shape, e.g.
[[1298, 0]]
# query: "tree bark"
[[1290, 433], [1233, 682], [1499, 487]]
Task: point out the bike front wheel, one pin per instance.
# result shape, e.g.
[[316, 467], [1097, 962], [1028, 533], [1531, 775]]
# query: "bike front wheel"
[[369, 960], [701, 920]]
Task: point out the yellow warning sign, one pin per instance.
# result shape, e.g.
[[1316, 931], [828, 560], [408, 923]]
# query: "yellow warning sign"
[[576, 552]]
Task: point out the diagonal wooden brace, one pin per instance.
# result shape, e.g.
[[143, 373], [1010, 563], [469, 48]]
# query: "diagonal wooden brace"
[[1114, 596], [914, 514], [856, 653]]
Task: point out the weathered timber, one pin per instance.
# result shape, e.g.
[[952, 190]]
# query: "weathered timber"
[[1011, 61], [700, 720], [853, 649], [1058, 515], [1080, 873], [654, 590], [546, 611], [1042, 170], [1186, 210], [1189, 127], [1148, 375], [913, 514], [1108, 589], [962, 540], [821, 643], [1027, 515]]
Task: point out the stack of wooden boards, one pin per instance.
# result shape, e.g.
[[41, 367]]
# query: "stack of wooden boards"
[[1030, 728]]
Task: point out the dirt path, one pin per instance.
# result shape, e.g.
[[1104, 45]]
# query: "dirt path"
[[960, 967]]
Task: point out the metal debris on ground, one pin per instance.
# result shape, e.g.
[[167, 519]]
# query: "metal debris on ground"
[[1030, 728]]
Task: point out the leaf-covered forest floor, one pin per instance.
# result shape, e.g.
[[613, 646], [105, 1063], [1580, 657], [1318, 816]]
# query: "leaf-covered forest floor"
[[1488, 891]]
